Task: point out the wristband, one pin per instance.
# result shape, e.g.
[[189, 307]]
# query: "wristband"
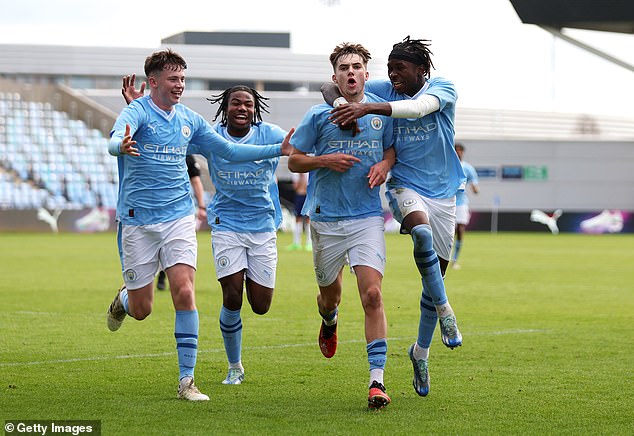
[[339, 101]]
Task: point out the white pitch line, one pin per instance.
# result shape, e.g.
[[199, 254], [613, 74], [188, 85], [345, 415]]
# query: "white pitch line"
[[218, 350]]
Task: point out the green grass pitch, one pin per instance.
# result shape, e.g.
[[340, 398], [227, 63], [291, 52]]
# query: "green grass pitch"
[[546, 320]]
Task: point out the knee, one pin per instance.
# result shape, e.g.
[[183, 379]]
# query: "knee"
[[422, 236], [184, 298], [328, 301], [372, 300], [232, 299], [260, 307], [140, 311]]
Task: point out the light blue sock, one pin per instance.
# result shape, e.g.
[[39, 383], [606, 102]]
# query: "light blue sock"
[[456, 249], [377, 353], [427, 321], [428, 264], [231, 329], [123, 296], [186, 334]]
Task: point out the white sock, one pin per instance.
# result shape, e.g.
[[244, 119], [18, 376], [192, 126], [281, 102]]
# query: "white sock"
[[297, 233], [236, 365], [184, 381], [376, 374], [308, 240], [420, 353]]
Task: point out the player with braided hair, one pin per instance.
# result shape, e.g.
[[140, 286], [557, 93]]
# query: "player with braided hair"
[[244, 214], [259, 104], [424, 181]]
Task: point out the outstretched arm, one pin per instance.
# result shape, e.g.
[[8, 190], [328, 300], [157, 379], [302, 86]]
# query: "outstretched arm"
[[300, 162], [343, 114]]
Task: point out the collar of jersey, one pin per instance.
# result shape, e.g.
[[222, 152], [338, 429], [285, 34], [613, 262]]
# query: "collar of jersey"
[[239, 140], [167, 115], [421, 92]]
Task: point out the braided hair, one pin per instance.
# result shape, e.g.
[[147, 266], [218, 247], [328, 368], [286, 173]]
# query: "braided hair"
[[223, 99], [414, 50]]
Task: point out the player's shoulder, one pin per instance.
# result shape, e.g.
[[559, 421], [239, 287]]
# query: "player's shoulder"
[[141, 104], [373, 98], [320, 108], [317, 112], [269, 127], [186, 110], [468, 166], [438, 81]]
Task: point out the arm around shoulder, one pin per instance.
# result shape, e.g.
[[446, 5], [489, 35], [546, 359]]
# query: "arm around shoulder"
[[416, 108]]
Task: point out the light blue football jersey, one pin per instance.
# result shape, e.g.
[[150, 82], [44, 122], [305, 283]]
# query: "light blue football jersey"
[[335, 196], [472, 177], [154, 187], [247, 199], [426, 160]]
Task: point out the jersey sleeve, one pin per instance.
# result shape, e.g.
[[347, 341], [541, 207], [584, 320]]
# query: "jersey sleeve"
[[131, 115], [306, 134], [381, 88], [206, 141], [443, 90]]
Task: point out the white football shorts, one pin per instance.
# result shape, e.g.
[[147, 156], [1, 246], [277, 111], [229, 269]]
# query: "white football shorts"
[[255, 252], [146, 249], [440, 211], [354, 242], [463, 215]]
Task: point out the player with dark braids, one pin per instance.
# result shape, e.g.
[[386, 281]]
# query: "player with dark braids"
[[259, 105], [244, 215], [423, 183]]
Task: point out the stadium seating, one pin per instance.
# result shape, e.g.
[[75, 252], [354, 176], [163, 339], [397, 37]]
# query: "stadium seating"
[[48, 160]]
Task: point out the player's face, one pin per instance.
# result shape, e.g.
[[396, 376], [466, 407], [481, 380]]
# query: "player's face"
[[459, 152], [406, 77], [350, 75], [168, 86], [240, 110]]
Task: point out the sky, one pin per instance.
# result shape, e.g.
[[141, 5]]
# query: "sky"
[[494, 59]]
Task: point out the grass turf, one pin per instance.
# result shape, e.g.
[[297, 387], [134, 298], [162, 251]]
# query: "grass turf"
[[548, 347]]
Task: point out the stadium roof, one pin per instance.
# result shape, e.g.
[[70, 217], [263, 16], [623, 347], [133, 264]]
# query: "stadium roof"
[[602, 15]]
